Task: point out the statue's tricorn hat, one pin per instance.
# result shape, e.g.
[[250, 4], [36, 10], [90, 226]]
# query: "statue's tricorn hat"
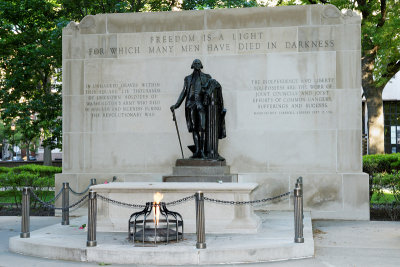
[[197, 61]]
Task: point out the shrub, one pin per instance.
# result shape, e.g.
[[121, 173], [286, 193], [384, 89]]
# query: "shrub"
[[385, 197], [388, 182], [40, 178], [381, 163], [381, 197], [4, 170]]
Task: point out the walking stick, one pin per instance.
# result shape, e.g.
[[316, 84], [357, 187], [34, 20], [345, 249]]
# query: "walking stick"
[[177, 131]]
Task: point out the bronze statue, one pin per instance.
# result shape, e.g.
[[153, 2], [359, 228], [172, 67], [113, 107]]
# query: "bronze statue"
[[204, 111]]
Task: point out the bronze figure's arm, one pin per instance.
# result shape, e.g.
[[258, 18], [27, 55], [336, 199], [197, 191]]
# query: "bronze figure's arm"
[[181, 97]]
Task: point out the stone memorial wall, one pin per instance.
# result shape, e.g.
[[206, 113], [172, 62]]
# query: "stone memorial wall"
[[291, 80]]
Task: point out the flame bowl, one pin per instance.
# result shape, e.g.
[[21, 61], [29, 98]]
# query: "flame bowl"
[[169, 227]]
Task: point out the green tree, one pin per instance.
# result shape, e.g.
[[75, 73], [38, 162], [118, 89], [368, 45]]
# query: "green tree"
[[78, 9], [213, 4], [30, 38], [380, 58]]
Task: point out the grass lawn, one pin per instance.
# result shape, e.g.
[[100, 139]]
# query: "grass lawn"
[[8, 196], [382, 198]]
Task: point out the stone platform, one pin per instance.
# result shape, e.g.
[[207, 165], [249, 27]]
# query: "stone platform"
[[199, 170], [273, 242], [220, 218]]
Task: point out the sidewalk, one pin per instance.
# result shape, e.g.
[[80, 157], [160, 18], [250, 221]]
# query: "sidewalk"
[[337, 243]]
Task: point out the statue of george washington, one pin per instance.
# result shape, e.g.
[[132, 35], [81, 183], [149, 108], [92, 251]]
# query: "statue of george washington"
[[204, 111]]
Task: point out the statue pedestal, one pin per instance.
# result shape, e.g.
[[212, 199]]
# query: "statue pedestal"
[[201, 170]]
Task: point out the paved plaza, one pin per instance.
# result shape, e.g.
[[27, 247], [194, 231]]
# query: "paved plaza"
[[337, 243]]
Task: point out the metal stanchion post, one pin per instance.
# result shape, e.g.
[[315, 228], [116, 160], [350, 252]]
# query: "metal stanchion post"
[[298, 211], [25, 220], [93, 181], [92, 216], [65, 204], [200, 221]]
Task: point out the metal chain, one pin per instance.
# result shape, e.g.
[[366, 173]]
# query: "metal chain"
[[218, 201], [180, 201], [81, 193], [119, 203], [57, 196], [78, 202], [54, 198], [47, 205]]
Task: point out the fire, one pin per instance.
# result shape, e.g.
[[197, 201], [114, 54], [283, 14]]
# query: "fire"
[[156, 211]]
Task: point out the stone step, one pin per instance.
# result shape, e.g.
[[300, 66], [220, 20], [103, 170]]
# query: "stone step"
[[231, 178], [194, 171], [272, 242], [199, 162]]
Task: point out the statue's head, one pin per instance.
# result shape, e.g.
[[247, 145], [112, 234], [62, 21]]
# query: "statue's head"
[[197, 64]]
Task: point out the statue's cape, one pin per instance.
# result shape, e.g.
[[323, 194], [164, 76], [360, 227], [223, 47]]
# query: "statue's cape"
[[215, 90]]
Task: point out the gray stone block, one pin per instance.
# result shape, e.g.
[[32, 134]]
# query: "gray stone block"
[[232, 178], [191, 171]]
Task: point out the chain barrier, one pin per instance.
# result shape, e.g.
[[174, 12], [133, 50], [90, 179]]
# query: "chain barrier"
[[81, 193], [54, 198], [218, 201], [119, 203], [47, 205], [172, 203], [188, 198], [78, 202], [180, 201]]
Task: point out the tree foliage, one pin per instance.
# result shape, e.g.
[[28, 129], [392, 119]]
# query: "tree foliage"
[[213, 4], [30, 61], [78, 9]]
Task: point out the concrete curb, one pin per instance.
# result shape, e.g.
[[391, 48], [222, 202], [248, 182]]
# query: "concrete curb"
[[273, 242]]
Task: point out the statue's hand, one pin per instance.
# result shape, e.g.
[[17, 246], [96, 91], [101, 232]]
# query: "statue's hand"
[[172, 108]]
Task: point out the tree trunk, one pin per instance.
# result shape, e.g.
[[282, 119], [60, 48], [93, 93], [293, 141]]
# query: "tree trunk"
[[375, 121], [47, 161], [373, 95]]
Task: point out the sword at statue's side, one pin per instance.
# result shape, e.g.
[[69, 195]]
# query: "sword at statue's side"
[[177, 131]]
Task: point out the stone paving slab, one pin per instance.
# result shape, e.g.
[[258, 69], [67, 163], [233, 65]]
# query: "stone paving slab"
[[273, 242]]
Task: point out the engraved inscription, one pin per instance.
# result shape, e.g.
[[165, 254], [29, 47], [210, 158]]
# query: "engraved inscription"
[[226, 41], [293, 96], [129, 100]]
